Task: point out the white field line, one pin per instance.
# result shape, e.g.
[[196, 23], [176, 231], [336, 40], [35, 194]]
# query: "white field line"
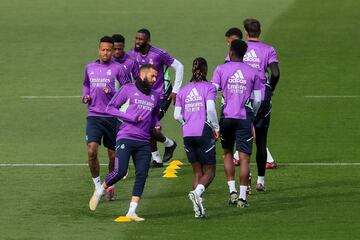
[[84, 164], [49, 97], [333, 96]]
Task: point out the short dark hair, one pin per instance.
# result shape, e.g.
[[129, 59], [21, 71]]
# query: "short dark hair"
[[118, 38], [253, 27], [106, 39], [146, 32], [147, 66], [234, 32], [239, 47]]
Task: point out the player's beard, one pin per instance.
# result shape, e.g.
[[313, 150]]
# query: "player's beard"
[[141, 48]]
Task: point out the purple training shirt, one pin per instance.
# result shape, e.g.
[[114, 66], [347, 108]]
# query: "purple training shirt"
[[192, 100], [97, 77], [259, 56], [130, 103], [159, 58], [237, 81], [130, 65]]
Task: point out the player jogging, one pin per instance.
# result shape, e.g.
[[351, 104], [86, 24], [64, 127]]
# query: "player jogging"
[[195, 110], [98, 89], [144, 53], [139, 108], [237, 81]]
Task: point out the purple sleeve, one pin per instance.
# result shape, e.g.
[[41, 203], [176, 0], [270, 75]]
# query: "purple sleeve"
[[86, 85], [216, 77], [135, 69], [211, 95], [116, 102], [272, 56], [178, 99], [154, 115], [166, 59], [257, 82]]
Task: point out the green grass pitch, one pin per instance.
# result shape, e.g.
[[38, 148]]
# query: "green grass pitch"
[[44, 48]]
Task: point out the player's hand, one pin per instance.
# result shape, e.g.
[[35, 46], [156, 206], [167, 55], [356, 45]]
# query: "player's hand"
[[138, 119], [106, 90], [86, 99], [172, 97], [216, 135], [157, 129]]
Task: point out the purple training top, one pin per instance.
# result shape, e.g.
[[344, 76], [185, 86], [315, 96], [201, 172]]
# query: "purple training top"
[[259, 56], [130, 65], [192, 100], [97, 77], [160, 59], [237, 81], [129, 104]]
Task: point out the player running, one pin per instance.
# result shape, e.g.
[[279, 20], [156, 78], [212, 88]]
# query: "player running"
[[262, 57], [139, 108], [98, 89], [237, 81], [195, 110], [144, 53]]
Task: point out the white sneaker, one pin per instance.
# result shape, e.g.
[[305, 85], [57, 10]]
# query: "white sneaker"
[[134, 217], [197, 206], [95, 199]]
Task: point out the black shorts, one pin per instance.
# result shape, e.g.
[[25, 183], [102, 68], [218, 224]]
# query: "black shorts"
[[201, 149], [165, 103], [102, 127], [262, 119], [239, 131]]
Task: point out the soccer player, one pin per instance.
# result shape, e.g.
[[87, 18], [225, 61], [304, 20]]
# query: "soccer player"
[[144, 53], [263, 58], [237, 81], [195, 110], [230, 35], [139, 108], [98, 88], [120, 56]]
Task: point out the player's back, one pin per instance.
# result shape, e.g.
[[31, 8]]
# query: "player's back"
[[259, 55], [237, 80], [192, 99]]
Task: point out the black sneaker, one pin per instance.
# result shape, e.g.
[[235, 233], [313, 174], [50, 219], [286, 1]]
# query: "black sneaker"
[[169, 151], [155, 164]]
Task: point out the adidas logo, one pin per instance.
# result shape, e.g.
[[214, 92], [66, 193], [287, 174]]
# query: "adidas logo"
[[251, 56], [238, 77], [193, 96]]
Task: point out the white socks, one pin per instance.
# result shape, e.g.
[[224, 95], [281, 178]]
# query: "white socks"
[[236, 155], [261, 180], [132, 209], [156, 156], [232, 187], [100, 190], [97, 182], [269, 158], [199, 189], [243, 192], [168, 142]]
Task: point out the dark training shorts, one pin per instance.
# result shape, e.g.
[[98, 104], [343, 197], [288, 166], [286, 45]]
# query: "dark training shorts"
[[201, 149], [239, 131], [105, 128]]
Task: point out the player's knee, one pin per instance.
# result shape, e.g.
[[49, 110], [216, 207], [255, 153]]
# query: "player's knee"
[[92, 153]]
